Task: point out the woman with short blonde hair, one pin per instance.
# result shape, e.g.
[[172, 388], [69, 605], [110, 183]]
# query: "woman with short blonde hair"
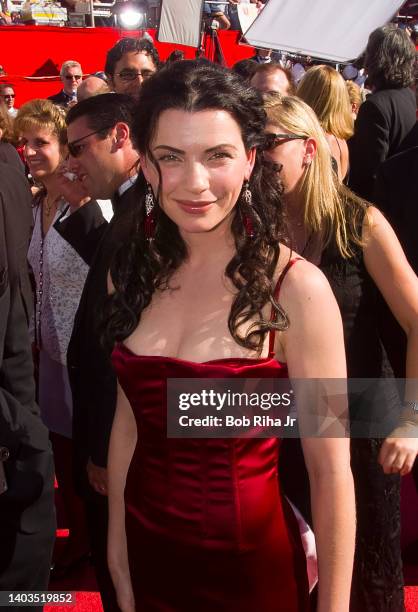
[[324, 89], [42, 114]]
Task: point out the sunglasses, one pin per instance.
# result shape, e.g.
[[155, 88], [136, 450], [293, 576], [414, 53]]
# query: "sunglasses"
[[75, 149], [131, 75], [271, 141], [70, 77], [8, 95]]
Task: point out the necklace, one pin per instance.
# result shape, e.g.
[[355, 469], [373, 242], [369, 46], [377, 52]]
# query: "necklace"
[[49, 205]]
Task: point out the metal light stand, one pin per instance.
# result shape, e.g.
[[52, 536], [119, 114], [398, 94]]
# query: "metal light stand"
[[212, 29]]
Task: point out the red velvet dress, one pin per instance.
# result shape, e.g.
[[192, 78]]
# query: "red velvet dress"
[[208, 529]]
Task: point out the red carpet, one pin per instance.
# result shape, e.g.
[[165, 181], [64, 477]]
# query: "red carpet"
[[88, 599], [91, 602], [85, 602], [411, 599]]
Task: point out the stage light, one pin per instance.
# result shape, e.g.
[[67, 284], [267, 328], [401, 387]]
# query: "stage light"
[[130, 18], [130, 15]]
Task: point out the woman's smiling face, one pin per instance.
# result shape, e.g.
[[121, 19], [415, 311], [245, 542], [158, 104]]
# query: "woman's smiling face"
[[203, 165], [42, 152]]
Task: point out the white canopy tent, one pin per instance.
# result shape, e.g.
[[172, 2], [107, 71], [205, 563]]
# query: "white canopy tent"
[[335, 30]]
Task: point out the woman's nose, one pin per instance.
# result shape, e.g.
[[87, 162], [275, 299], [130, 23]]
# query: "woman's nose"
[[198, 177], [29, 150]]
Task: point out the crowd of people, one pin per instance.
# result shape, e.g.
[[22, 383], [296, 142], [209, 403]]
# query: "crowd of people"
[[185, 220]]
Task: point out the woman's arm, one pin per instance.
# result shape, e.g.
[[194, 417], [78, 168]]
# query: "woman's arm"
[[314, 349], [121, 448], [387, 265]]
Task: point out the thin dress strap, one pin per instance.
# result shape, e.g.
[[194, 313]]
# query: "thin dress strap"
[[338, 145], [276, 292]]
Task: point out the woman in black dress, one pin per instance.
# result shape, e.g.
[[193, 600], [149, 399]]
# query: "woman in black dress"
[[360, 255]]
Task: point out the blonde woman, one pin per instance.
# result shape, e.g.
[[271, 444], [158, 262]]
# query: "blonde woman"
[[356, 98], [358, 252], [324, 89], [59, 273]]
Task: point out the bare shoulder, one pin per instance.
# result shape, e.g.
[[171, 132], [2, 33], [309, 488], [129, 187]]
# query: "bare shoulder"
[[303, 284], [314, 323], [374, 217], [374, 224]]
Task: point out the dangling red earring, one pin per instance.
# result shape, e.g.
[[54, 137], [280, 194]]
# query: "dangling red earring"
[[247, 199], [248, 226], [149, 226]]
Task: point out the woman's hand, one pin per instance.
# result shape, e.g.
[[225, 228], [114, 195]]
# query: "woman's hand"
[[122, 582], [399, 451], [124, 595], [97, 477]]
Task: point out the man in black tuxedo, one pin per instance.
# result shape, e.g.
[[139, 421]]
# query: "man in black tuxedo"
[[103, 158], [389, 113], [27, 517]]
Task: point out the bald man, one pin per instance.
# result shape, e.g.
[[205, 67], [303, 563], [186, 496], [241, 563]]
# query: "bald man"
[[92, 86]]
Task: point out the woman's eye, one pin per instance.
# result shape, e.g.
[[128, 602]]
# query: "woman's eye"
[[169, 157], [221, 155]]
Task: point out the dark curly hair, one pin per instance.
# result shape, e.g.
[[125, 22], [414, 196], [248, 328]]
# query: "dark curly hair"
[[390, 58], [142, 266], [129, 45]]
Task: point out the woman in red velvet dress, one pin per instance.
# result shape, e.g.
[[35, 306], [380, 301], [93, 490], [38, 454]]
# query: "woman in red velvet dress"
[[201, 525]]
